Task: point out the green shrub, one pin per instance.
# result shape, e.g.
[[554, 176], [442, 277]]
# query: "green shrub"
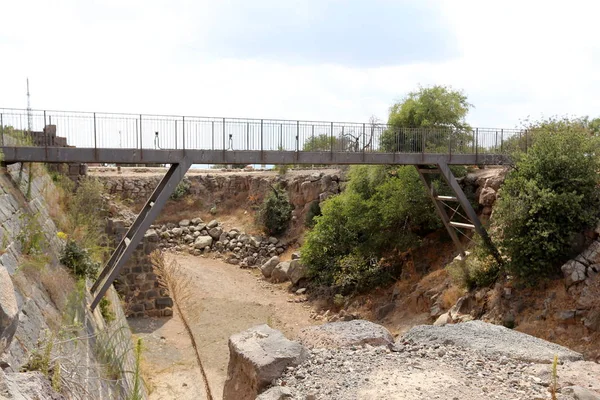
[[275, 213], [106, 310], [181, 190], [549, 198], [314, 210], [31, 236], [474, 272], [78, 260], [383, 210]]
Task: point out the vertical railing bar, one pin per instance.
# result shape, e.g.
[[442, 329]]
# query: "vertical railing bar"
[[141, 139], [183, 131], [501, 140], [2, 128], [331, 139], [224, 140], [261, 138], [95, 138], [212, 129], [247, 135], [175, 134], [476, 144], [297, 136]]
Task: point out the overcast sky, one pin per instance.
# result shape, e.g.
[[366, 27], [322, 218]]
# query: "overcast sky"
[[340, 60]]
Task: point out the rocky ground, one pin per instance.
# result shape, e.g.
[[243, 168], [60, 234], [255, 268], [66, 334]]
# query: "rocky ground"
[[423, 364]]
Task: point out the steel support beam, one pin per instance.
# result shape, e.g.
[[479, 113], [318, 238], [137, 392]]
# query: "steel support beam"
[[157, 156], [424, 171], [136, 232], [451, 181]]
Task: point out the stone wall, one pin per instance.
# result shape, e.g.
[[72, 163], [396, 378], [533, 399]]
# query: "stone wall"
[[30, 312], [138, 284]]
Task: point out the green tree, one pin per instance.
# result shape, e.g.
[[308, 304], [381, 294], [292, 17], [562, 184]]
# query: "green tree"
[[275, 213], [436, 107], [549, 198], [383, 210]]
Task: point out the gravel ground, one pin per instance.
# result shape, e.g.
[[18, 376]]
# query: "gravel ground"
[[411, 371], [493, 340]]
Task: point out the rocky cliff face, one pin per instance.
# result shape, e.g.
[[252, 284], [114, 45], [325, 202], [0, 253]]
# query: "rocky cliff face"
[[45, 324]]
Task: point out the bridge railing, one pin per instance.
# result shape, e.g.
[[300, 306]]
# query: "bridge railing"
[[140, 131]]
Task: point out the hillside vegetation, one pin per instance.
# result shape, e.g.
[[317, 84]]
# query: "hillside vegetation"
[[549, 198]]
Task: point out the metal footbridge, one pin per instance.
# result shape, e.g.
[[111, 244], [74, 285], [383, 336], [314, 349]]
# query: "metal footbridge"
[[181, 141]]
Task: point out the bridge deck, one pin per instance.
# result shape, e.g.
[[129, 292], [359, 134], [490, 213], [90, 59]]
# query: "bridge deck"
[[149, 156], [42, 136]]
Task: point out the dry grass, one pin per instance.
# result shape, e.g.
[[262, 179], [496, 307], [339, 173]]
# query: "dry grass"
[[451, 295], [59, 283]]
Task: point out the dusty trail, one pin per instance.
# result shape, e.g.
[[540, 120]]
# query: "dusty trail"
[[225, 300]]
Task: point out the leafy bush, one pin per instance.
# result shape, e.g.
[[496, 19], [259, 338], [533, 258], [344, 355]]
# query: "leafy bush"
[[181, 190], [473, 272], [384, 209], [551, 196], [275, 213], [314, 210], [106, 310], [78, 261]]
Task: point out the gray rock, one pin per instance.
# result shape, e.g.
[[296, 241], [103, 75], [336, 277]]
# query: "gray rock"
[[257, 356], [493, 340], [28, 385], [151, 236], [296, 271], [592, 320], [203, 241], [268, 267], [280, 272], [215, 232], [580, 393], [176, 232], [296, 255], [276, 393], [188, 238], [197, 221], [212, 224], [343, 334], [184, 223], [487, 197], [233, 233], [9, 311], [574, 272], [255, 241], [273, 240]]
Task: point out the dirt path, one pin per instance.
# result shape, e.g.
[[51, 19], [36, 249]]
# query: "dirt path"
[[225, 300]]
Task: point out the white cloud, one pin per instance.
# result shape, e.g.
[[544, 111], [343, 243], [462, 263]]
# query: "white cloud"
[[516, 59]]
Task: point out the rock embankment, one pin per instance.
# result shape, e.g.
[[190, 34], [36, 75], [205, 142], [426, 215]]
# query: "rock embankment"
[[477, 361], [197, 237]]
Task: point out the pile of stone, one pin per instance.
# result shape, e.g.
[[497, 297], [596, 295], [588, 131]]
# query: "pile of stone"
[[282, 271], [197, 237]]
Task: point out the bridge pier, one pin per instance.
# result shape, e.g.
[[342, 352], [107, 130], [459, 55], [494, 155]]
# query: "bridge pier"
[[449, 208]]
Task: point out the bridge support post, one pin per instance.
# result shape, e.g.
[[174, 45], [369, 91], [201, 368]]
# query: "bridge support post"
[[138, 229], [441, 204]]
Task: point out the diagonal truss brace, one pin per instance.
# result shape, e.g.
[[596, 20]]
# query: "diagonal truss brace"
[[136, 232], [440, 202]]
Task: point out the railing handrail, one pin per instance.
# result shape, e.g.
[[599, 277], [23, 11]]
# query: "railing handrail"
[[257, 120]]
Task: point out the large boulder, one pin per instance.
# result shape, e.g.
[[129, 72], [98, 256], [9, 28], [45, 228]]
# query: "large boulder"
[[347, 333], [492, 340], [276, 393], [257, 356], [280, 272], [202, 242], [9, 311], [268, 267], [487, 197], [296, 271]]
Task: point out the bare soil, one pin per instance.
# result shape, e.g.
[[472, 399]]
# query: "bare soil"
[[225, 300]]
